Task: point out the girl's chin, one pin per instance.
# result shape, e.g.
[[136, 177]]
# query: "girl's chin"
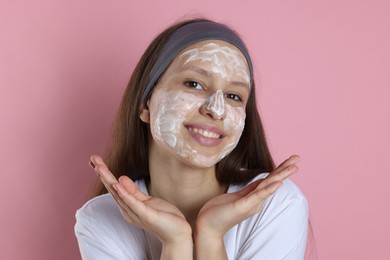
[[199, 163], [200, 160]]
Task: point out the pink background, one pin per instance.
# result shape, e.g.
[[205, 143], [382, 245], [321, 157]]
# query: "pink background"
[[322, 69]]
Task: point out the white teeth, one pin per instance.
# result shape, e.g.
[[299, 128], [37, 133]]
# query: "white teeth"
[[205, 133]]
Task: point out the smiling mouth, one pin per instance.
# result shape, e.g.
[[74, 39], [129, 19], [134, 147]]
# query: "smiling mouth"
[[204, 133]]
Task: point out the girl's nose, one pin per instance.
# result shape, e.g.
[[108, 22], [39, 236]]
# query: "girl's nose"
[[216, 105]]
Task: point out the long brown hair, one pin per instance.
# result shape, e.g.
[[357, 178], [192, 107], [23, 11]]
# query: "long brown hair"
[[128, 151]]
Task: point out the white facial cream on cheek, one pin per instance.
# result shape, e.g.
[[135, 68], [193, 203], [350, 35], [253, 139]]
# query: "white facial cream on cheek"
[[167, 126], [225, 61]]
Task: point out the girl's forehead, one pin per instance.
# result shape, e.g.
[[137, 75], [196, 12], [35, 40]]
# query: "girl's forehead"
[[210, 47], [224, 58]]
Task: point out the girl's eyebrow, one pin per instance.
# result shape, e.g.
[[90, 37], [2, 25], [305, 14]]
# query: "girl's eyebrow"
[[209, 74], [239, 84], [198, 70]]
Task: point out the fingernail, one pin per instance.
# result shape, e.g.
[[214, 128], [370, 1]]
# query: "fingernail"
[[297, 159], [92, 165]]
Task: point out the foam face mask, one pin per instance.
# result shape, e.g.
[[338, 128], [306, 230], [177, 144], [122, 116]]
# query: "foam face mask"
[[225, 61], [175, 107], [217, 104]]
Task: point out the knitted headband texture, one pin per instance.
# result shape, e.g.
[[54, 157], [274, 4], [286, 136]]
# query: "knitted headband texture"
[[185, 36]]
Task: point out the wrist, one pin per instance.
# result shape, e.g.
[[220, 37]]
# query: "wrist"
[[209, 246], [207, 233], [207, 239], [177, 236], [178, 250]]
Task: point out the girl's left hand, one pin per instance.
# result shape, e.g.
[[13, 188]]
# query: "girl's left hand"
[[223, 212]]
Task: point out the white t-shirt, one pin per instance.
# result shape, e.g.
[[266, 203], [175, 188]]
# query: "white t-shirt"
[[278, 231]]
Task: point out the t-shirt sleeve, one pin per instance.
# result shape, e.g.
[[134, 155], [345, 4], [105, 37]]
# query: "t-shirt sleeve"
[[93, 244], [103, 234], [279, 230]]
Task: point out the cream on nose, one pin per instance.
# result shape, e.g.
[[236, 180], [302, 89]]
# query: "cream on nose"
[[216, 104]]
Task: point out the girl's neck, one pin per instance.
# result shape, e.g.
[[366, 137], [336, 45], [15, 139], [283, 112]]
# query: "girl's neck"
[[185, 187]]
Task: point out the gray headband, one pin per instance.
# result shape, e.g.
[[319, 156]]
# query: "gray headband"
[[185, 36]]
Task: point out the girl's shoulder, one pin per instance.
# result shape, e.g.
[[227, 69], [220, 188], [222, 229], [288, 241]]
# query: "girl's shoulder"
[[101, 230], [289, 190], [281, 223], [103, 207], [98, 207], [287, 204]]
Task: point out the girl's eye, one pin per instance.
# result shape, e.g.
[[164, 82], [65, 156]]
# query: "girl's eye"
[[233, 97], [193, 84]]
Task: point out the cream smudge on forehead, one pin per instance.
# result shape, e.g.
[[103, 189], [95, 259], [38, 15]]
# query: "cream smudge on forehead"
[[225, 61]]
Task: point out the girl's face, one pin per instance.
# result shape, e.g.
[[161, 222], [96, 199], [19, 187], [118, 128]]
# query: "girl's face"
[[197, 109]]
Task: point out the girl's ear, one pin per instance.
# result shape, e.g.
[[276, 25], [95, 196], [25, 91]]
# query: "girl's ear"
[[145, 115]]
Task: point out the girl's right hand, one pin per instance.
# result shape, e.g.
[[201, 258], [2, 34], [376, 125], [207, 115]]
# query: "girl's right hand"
[[152, 214]]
